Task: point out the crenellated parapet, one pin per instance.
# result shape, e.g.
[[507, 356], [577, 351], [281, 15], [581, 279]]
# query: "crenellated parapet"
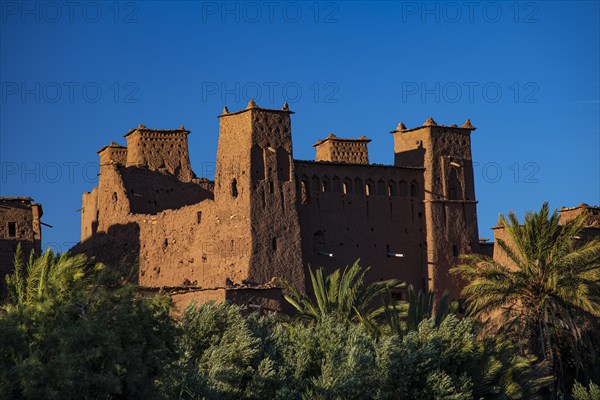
[[163, 150], [336, 149], [113, 154]]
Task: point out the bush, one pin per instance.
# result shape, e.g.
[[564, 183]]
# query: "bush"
[[77, 331], [224, 355], [96, 340], [449, 361]]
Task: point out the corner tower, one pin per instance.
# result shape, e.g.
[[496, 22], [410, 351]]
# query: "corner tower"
[[449, 194], [254, 185]]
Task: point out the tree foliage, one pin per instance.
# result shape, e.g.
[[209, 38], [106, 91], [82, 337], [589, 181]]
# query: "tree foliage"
[[580, 392], [549, 295], [404, 317], [72, 331], [341, 295], [50, 275], [232, 356]]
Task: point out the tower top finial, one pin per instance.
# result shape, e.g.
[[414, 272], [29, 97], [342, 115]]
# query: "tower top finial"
[[400, 126], [251, 104], [225, 110], [430, 122], [286, 107], [468, 124], [500, 223], [141, 126]]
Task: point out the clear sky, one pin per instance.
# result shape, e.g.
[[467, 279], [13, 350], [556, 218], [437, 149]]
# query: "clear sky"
[[76, 75]]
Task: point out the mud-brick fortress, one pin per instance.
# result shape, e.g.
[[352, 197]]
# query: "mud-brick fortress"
[[268, 216]]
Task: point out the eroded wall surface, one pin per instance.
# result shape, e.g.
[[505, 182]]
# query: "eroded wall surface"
[[357, 211], [448, 196]]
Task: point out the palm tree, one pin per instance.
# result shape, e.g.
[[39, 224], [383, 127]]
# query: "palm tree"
[[405, 317], [549, 291], [341, 294], [33, 281]]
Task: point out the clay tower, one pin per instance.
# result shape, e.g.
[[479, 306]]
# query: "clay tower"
[[164, 150], [254, 183], [448, 193]]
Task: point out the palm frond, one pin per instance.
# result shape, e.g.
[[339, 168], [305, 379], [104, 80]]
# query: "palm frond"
[[342, 294], [548, 289]]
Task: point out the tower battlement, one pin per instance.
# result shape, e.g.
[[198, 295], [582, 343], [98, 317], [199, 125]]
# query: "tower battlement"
[[113, 154], [335, 149], [164, 150]]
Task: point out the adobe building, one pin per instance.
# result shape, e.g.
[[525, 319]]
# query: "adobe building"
[[19, 224], [592, 224], [591, 229], [268, 216]]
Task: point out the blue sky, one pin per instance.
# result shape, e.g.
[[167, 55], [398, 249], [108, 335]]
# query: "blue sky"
[[76, 75]]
